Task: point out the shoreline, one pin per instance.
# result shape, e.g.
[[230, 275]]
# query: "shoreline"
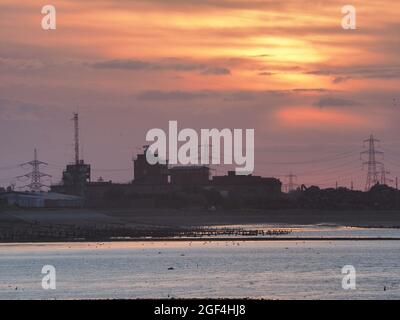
[[140, 225], [206, 240]]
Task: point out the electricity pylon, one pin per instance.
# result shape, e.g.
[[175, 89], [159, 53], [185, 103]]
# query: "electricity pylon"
[[373, 164], [291, 185], [384, 176], [35, 175]]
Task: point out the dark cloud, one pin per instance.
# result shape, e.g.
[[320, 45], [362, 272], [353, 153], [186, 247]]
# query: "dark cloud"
[[123, 64], [178, 65], [341, 79], [300, 90], [216, 71], [240, 95], [342, 74], [175, 95], [266, 73], [336, 102]]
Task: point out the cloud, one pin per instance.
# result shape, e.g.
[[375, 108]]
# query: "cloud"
[[123, 64], [284, 96], [341, 79], [171, 64], [300, 90], [342, 74], [318, 118], [240, 96], [208, 94], [12, 110], [193, 4], [266, 73], [216, 71], [20, 64], [336, 102], [175, 95]]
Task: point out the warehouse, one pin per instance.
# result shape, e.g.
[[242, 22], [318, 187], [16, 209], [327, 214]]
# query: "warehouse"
[[41, 200]]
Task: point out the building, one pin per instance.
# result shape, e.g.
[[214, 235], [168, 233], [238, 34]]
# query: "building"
[[41, 200], [190, 175], [247, 185], [74, 179], [233, 179], [146, 173]]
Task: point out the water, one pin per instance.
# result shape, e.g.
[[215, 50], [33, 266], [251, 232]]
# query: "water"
[[270, 270]]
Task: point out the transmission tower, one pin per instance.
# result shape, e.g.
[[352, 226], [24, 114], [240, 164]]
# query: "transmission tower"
[[384, 176], [75, 119], [35, 175], [372, 163], [290, 185]]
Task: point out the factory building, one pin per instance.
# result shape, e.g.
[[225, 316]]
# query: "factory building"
[[248, 184], [74, 179], [274, 185], [190, 175], [76, 175], [149, 174]]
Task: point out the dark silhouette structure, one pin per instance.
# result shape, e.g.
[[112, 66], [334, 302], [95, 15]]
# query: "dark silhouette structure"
[[372, 164], [76, 176], [146, 173], [190, 175], [35, 175], [233, 179]]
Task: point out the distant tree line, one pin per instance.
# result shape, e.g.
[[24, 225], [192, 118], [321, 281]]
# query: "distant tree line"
[[379, 197]]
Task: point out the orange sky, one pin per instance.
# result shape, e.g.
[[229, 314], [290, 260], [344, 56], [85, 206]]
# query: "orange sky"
[[285, 68]]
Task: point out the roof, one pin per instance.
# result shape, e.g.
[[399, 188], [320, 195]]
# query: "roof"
[[193, 167], [43, 195]]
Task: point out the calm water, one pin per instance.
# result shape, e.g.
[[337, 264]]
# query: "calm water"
[[276, 270]]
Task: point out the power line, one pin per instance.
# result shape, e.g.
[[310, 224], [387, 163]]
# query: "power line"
[[343, 176], [330, 170], [312, 161]]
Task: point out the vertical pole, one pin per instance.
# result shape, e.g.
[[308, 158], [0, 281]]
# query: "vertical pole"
[[76, 131], [397, 193]]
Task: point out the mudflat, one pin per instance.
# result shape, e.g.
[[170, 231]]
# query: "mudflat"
[[155, 218]]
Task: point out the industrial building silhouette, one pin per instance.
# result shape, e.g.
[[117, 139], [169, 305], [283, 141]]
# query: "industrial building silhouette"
[[160, 183]]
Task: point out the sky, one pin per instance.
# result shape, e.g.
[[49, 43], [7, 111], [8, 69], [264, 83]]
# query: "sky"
[[311, 90]]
